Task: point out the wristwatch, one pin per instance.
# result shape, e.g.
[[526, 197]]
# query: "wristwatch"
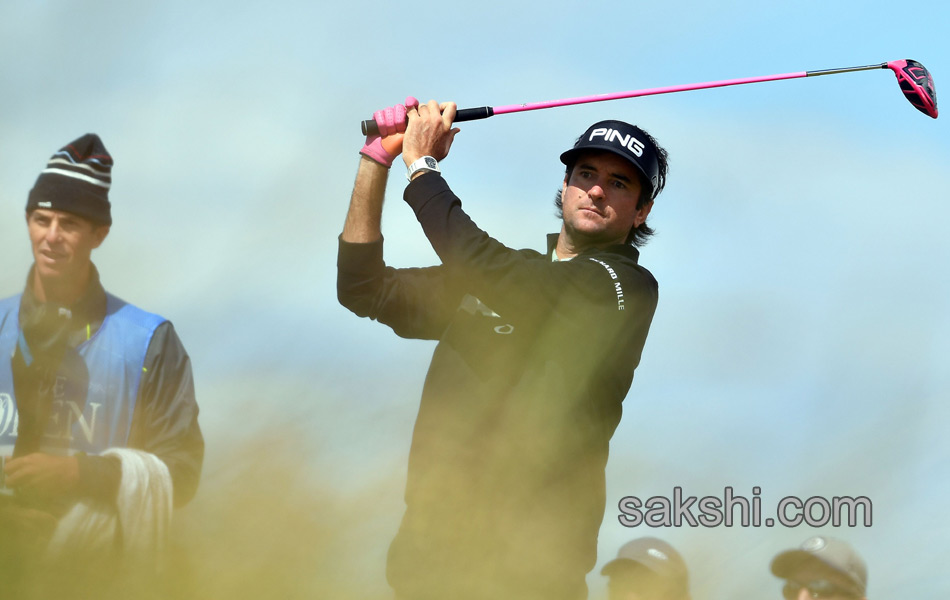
[[425, 163]]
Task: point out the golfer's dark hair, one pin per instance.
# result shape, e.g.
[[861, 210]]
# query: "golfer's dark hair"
[[638, 236]]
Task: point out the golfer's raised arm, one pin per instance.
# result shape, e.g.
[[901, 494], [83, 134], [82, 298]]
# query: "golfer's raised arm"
[[363, 218]]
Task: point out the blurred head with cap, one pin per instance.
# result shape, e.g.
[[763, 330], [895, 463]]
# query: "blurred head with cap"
[[822, 567], [647, 568]]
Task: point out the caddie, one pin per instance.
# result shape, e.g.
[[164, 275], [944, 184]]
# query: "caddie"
[[99, 426]]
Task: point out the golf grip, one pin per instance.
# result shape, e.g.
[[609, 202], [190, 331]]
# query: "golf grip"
[[369, 126]]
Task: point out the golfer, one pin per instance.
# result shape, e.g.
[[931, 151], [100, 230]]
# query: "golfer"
[[536, 352]]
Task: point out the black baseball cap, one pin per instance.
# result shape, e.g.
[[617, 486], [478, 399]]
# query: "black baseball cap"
[[622, 139]]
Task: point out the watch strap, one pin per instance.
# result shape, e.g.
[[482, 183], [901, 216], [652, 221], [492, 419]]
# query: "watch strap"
[[424, 163]]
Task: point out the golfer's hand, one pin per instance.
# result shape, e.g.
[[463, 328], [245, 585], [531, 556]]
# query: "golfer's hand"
[[430, 131], [385, 146], [43, 475]]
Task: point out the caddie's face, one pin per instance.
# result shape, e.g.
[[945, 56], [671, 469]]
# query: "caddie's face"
[[62, 242], [599, 201]]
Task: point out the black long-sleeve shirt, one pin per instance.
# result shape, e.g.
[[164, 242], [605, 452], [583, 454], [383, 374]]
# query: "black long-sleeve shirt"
[[505, 491]]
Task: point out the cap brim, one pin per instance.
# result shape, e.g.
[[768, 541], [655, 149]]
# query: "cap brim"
[[785, 564], [677, 582], [616, 563], [660, 569], [569, 156]]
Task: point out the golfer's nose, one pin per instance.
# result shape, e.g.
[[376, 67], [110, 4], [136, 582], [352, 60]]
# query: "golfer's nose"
[[596, 192]]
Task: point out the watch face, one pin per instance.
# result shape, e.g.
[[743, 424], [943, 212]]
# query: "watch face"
[[431, 163]]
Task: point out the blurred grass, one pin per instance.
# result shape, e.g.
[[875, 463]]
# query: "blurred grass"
[[267, 525]]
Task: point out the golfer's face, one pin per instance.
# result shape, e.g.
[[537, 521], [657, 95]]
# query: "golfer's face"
[[599, 201], [62, 242]]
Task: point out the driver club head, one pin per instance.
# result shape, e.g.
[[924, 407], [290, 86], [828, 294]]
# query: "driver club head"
[[917, 85]]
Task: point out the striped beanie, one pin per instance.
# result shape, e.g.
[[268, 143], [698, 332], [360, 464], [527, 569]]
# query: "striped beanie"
[[76, 180]]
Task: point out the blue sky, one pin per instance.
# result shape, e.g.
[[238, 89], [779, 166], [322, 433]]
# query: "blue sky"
[[801, 338]]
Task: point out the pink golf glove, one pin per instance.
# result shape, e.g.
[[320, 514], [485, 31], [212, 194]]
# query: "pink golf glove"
[[387, 145]]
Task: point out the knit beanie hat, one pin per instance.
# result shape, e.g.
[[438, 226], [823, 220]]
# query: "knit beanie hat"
[[76, 180]]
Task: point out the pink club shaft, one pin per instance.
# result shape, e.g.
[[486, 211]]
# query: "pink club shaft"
[[500, 110]]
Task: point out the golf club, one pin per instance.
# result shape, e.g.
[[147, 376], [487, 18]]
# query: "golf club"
[[914, 79]]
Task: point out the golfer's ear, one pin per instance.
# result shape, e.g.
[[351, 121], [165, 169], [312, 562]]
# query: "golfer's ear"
[[642, 213]]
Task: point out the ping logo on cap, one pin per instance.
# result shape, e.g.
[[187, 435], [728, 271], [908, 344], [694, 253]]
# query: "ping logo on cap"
[[612, 135]]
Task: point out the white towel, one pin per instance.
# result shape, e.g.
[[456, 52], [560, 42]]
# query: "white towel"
[[142, 516]]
